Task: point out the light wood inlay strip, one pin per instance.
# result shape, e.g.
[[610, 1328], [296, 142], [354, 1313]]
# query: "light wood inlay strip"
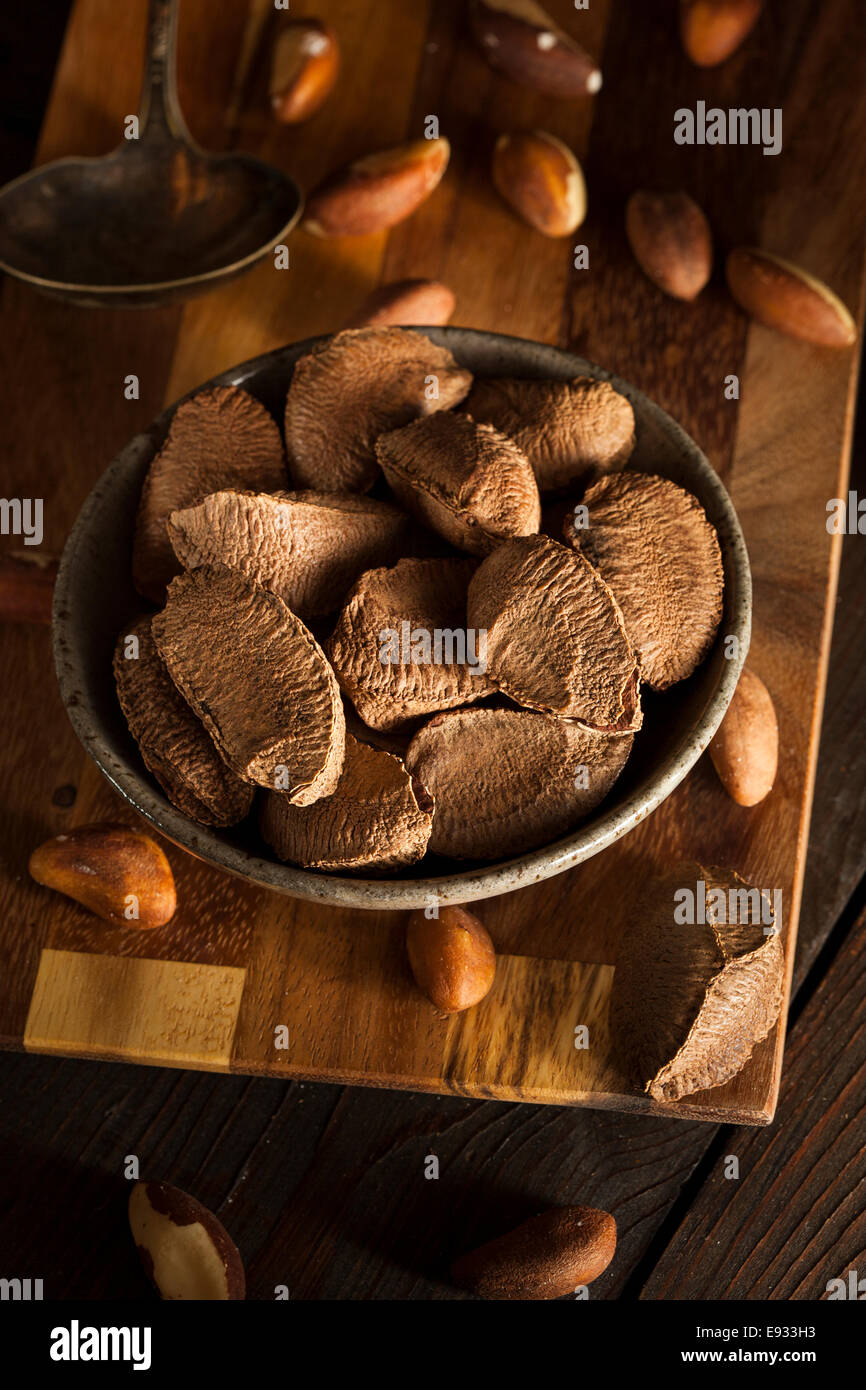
[[156, 1011]]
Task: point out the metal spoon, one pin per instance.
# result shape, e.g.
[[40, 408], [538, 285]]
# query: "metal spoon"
[[156, 220]]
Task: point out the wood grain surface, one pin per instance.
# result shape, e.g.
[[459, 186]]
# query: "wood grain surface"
[[782, 450]]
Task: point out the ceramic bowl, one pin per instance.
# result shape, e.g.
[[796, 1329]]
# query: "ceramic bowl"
[[94, 597]]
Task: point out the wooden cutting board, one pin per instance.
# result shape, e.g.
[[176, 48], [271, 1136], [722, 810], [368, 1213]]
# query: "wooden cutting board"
[[244, 980]]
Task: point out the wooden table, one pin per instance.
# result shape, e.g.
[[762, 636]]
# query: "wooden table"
[[322, 1186]]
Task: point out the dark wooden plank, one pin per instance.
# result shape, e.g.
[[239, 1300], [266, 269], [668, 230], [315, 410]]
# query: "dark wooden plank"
[[836, 859], [323, 1189]]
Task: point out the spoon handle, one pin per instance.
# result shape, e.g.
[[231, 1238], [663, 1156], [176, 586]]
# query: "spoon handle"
[[160, 118]]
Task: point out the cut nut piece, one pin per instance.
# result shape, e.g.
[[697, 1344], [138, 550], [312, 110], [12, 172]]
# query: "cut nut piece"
[[306, 547], [378, 191], [378, 818], [118, 873], [712, 30], [519, 38], [548, 1256], [540, 178], [257, 679], [304, 67], [745, 750], [782, 296], [354, 387], [505, 781], [556, 639], [400, 647], [569, 430], [173, 743], [691, 998], [186, 1252], [671, 241], [421, 302], [653, 546], [467, 481], [452, 958], [222, 438]]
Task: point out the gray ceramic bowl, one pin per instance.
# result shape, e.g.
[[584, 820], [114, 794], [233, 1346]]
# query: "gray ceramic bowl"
[[94, 597]]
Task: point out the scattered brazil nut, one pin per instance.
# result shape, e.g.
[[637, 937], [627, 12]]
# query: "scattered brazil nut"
[[378, 818], [354, 387], [782, 296], [548, 1256], [556, 637], [653, 546], [220, 438], [570, 431], [519, 38], [120, 874], [541, 179], [671, 241], [452, 958], [377, 191], [304, 67], [745, 748], [712, 30], [187, 1254], [257, 679], [400, 647], [306, 547], [173, 743], [405, 302], [505, 781], [467, 481], [694, 991]]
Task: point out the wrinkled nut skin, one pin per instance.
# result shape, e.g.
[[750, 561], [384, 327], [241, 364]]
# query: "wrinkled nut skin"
[[304, 68], [503, 780], [428, 594], [671, 241], [540, 178], [519, 39], [452, 958], [571, 431], [174, 745], [712, 30], [782, 296], [556, 638], [405, 303], [220, 437], [355, 386], [745, 749], [653, 544], [468, 482], [101, 865], [186, 1252], [545, 1257], [378, 191], [379, 818], [257, 679]]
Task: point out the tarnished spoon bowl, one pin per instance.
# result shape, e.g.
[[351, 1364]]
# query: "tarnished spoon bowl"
[[158, 219], [94, 598]]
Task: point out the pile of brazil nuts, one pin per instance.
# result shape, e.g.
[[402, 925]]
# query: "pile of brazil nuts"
[[364, 636]]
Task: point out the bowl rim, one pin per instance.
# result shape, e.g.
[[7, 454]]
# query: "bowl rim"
[[389, 893]]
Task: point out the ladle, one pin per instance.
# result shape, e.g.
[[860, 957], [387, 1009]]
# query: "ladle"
[[156, 220]]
